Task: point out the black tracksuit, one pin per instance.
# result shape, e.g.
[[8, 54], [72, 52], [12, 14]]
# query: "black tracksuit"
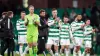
[[43, 34], [8, 39], [1, 33]]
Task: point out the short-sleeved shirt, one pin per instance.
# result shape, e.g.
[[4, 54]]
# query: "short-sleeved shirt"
[[21, 27], [78, 31], [32, 28], [65, 31], [88, 32]]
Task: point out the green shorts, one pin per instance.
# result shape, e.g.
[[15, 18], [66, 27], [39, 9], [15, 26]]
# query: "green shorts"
[[32, 38]]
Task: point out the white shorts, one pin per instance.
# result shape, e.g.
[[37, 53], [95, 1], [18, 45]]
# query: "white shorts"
[[78, 41], [88, 44], [22, 39], [65, 42], [53, 41]]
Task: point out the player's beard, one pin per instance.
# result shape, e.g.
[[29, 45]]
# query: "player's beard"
[[79, 20]]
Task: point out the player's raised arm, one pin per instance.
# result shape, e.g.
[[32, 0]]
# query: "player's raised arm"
[[89, 32], [26, 21], [50, 22], [60, 24], [74, 24], [74, 28], [37, 21]]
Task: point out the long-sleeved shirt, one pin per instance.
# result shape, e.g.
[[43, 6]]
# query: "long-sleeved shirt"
[[53, 29], [43, 29], [8, 27], [21, 28]]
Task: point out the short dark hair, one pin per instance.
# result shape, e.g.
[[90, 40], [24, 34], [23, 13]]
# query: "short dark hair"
[[87, 19], [4, 13], [22, 11], [66, 16], [42, 10], [9, 13], [31, 6], [54, 9]]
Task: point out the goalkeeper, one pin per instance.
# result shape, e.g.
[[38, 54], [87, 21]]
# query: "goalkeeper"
[[32, 22]]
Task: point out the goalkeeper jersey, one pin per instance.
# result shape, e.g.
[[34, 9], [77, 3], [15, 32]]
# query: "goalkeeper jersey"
[[32, 29]]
